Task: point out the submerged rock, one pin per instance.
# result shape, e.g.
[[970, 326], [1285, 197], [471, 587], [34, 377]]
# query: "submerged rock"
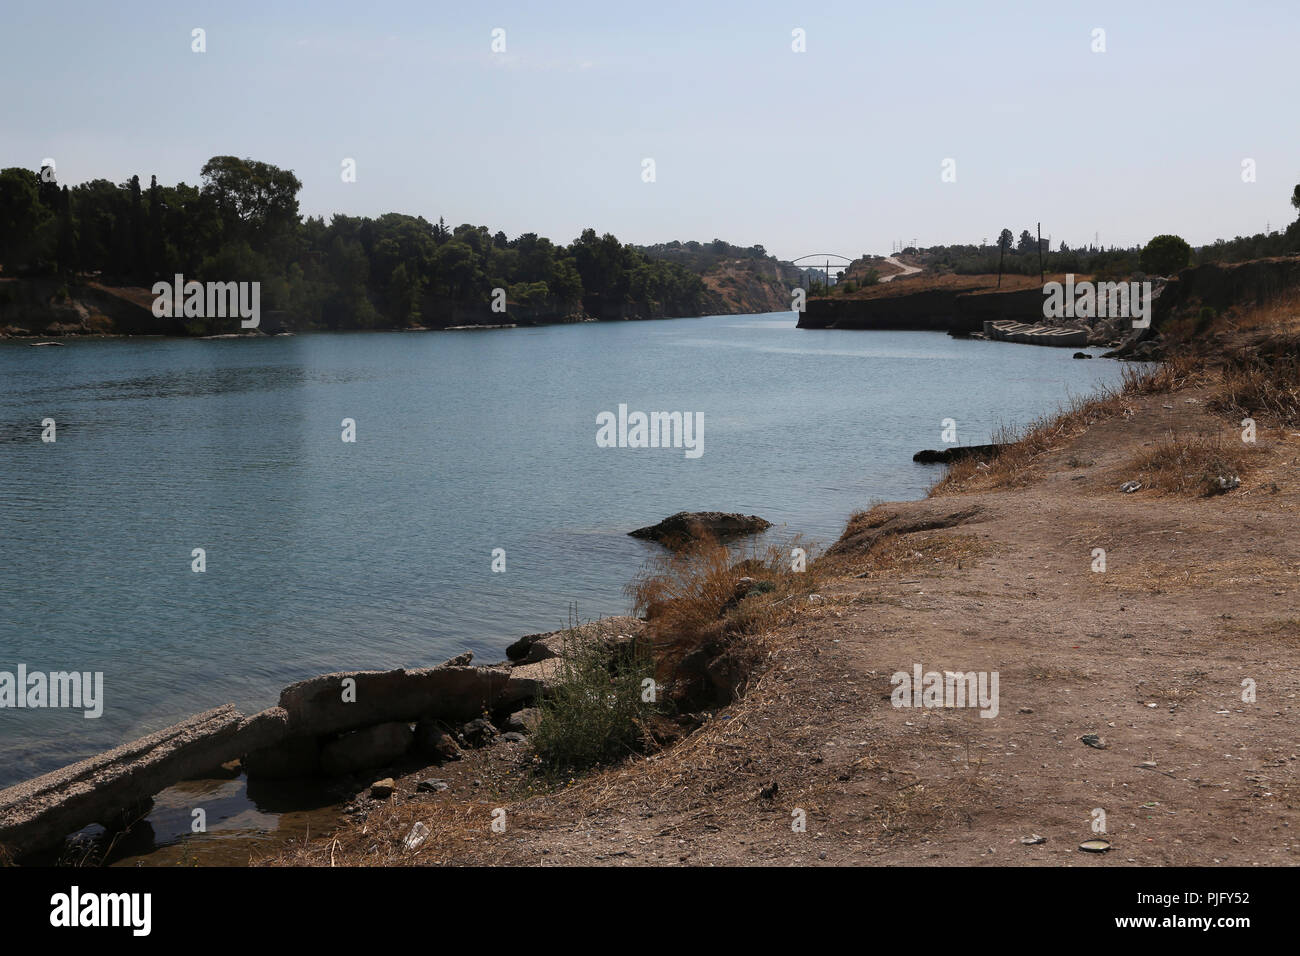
[[687, 526]]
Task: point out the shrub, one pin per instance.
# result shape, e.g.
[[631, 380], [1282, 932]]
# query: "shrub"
[[595, 712], [1165, 255]]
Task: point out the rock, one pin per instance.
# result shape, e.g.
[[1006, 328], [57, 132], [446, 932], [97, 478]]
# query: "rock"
[[524, 721], [611, 631], [432, 785], [1130, 486], [369, 747], [1033, 840], [1092, 740], [1081, 355], [290, 758], [546, 674], [432, 740], [383, 789], [320, 706], [513, 737], [947, 456], [686, 527], [419, 833], [479, 731], [460, 660], [1225, 483]]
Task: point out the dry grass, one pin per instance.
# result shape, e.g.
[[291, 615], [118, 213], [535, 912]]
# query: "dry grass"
[[928, 554], [1192, 464], [1176, 372], [1262, 382], [698, 597], [1015, 463], [380, 840]]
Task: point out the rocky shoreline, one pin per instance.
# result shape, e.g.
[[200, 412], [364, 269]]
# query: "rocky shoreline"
[[332, 725]]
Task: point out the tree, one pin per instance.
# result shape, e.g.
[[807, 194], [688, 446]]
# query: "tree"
[[1164, 255], [21, 214], [1026, 243], [1005, 238], [250, 193], [1295, 198]]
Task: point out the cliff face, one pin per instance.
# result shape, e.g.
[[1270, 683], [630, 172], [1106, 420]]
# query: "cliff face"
[[745, 288], [938, 310], [48, 307], [1221, 287], [1191, 301]]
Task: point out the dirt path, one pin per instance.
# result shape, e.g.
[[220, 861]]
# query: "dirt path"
[[907, 270]]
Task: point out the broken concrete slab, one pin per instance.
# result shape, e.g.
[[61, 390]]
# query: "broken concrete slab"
[[41, 812], [347, 700]]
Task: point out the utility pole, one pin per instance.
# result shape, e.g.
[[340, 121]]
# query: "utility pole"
[[1002, 251], [1040, 253]]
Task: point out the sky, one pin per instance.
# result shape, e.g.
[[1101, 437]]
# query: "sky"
[[840, 148]]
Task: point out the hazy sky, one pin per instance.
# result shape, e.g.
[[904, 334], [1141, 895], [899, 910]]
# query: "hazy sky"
[[836, 149]]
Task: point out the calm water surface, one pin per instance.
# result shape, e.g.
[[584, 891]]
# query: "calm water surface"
[[323, 555]]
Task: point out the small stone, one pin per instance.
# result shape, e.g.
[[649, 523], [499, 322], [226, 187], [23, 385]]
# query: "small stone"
[[1033, 840], [1092, 740], [383, 789], [432, 785], [513, 736], [1130, 486], [1026, 710], [419, 833], [524, 721], [479, 731]]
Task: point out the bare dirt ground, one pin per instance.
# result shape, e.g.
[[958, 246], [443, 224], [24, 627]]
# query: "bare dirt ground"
[[1198, 595]]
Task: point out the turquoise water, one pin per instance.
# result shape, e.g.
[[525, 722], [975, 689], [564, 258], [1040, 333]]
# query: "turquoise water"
[[324, 555]]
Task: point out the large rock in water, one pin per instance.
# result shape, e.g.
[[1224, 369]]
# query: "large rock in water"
[[687, 526]]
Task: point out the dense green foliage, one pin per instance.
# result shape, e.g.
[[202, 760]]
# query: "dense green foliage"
[[241, 223], [1165, 255]]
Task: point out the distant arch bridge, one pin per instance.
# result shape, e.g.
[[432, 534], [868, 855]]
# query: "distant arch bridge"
[[825, 263]]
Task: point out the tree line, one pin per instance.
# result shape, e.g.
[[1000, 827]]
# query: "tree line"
[[241, 223]]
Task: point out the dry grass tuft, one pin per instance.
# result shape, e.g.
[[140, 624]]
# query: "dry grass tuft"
[[1192, 464], [1262, 382], [703, 596]]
